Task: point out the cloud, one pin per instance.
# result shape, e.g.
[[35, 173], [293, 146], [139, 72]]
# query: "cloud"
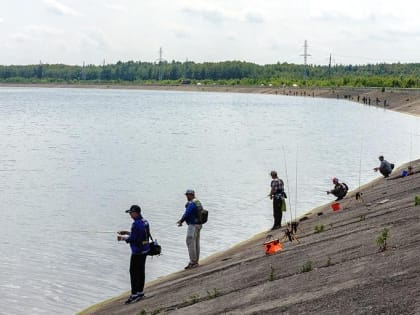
[[20, 37], [1, 20], [59, 8], [96, 38], [253, 17], [212, 15], [116, 7], [43, 30]]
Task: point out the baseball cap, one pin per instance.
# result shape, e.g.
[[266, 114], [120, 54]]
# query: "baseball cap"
[[190, 192], [134, 208]]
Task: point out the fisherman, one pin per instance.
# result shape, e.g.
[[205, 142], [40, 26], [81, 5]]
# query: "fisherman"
[[278, 196], [339, 190], [191, 217], [138, 239], [385, 168]]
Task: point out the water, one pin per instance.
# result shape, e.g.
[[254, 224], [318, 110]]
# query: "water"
[[72, 160]]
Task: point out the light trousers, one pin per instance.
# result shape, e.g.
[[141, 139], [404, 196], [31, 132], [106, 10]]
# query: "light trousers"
[[193, 242]]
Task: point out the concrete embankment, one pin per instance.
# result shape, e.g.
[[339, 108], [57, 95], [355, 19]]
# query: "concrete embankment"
[[338, 270]]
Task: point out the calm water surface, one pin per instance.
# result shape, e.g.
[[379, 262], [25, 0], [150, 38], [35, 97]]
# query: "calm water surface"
[[72, 160]]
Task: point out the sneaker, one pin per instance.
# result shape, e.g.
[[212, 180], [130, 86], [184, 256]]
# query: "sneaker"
[[189, 266], [134, 298], [131, 299]]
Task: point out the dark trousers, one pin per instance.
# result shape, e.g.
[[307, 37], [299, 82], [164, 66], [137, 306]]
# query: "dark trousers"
[[385, 173], [137, 272], [277, 212]]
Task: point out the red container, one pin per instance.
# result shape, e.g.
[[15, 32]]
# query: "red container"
[[335, 206], [272, 247]]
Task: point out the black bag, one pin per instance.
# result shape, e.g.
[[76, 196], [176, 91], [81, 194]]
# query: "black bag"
[[155, 249], [392, 166], [203, 214]]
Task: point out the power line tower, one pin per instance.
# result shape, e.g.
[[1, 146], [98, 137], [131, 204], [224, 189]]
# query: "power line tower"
[[305, 57], [160, 61], [83, 71], [329, 67]]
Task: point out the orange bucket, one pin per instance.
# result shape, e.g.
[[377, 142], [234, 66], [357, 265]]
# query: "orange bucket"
[[272, 247], [335, 206]]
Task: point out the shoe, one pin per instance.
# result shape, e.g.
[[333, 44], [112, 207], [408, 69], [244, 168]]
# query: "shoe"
[[188, 266], [191, 265], [275, 227], [134, 298]]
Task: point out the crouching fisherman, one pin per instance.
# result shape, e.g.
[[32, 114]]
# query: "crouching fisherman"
[[340, 189], [385, 168], [138, 239]]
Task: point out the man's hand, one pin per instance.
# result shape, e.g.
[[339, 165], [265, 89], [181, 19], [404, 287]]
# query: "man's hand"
[[123, 232], [121, 237], [179, 223]]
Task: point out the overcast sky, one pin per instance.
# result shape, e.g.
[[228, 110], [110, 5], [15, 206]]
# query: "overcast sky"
[[260, 31]]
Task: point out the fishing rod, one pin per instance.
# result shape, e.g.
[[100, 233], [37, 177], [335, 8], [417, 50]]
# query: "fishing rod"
[[90, 232], [287, 182]]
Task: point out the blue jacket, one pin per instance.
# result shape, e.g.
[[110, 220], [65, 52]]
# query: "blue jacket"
[[139, 236], [191, 213]]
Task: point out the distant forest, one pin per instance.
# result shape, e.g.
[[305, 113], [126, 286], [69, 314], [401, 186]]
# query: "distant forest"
[[222, 73]]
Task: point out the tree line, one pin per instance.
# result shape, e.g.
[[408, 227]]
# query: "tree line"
[[396, 75]]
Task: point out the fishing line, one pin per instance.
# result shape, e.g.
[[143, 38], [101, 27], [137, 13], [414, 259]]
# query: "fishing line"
[[91, 232], [296, 192], [287, 182]]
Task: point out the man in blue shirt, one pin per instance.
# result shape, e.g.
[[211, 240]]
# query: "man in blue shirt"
[[385, 168], [193, 231], [138, 239]]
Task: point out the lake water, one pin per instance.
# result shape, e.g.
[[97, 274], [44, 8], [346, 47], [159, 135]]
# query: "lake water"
[[72, 160]]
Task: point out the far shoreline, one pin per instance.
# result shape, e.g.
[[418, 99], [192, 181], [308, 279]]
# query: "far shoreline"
[[400, 100]]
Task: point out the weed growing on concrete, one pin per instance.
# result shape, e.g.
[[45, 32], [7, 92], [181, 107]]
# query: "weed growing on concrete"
[[271, 276], [417, 201], [307, 266], [381, 239], [319, 228], [329, 262], [213, 294], [362, 217]]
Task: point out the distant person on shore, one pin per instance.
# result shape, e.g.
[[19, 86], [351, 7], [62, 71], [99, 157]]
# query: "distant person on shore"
[[191, 217], [340, 189], [385, 168], [278, 196], [138, 238]]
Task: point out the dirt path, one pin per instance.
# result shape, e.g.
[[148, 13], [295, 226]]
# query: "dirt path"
[[348, 275]]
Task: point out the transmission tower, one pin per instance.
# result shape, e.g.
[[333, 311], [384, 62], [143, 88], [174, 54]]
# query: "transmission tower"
[[305, 56], [160, 61], [305, 53]]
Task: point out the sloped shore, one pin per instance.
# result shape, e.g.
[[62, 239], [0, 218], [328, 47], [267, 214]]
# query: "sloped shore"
[[338, 270]]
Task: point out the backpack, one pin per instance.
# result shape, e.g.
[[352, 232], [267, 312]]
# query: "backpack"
[[345, 187], [392, 166], [203, 214]]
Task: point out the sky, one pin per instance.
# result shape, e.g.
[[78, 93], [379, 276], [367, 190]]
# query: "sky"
[[259, 31]]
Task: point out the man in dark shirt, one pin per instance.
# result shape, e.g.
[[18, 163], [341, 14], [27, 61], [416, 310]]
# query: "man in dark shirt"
[[340, 189], [138, 239], [277, 195]]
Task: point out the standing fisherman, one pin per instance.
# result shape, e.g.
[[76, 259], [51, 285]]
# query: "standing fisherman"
[[191, 216], [138, 239], [277, 194]]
